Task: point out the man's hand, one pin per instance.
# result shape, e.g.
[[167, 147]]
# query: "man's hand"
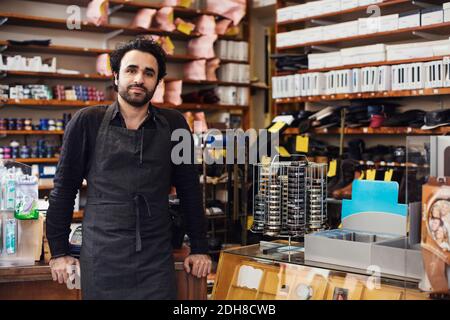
[[60, 267], [201, 265]]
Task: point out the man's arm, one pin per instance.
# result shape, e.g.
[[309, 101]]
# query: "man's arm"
[[186, 180], [68, 179]]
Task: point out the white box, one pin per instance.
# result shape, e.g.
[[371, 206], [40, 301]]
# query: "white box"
[[441, 48], [316, 60], [446, 63], [408, 51], [328, 33], [409, 20], [284, 14], [298, 85], [348, 4], [432, 16], [368, 25], [363, 54], [333, 59], [356, 80], [299, 11], [281, 39], [242, 95], [318, 83], [416, 76], [313, 9], [343, 81], [367, 2], [388, 23], [384, 78], [329, 6], [312, 35], [346, 29], [330, 82], [446, 7], [373, 57]]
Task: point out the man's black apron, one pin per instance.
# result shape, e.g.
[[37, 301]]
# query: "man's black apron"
[[126, 251]]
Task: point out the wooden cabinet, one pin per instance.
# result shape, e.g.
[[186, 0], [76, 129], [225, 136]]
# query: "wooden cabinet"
[[35, 283], [247, 274]]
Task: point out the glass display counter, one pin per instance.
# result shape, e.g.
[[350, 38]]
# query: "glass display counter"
[[259, 272]]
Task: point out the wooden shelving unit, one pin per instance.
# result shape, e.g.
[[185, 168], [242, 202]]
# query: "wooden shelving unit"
[[387, 7], [368, 95], [14, 19], [381, 37], [134, 6], [31, 132], [373, 131], [122, 29], [68, 50], [97, 77], [54, 103], [82, 104], [36, 160], [363, 65]]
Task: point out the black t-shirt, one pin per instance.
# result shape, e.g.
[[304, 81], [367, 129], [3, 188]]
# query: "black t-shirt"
[[76, 159]]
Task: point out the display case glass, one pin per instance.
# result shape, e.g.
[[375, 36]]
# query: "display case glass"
[[261, 271]]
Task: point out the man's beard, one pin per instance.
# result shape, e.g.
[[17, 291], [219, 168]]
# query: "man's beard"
[[136, 101]]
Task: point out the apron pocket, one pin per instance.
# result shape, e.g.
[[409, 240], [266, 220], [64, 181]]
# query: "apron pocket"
[[114, 240]]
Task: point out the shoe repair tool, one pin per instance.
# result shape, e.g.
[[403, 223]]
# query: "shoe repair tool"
[[289, 198], [317, 196]]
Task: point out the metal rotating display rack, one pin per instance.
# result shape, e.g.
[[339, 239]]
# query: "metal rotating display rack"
[[289, 198]]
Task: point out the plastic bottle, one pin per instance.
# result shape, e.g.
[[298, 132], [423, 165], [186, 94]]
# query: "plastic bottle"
[[10, 230]]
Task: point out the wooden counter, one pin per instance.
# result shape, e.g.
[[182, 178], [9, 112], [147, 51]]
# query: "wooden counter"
[[35, 283]]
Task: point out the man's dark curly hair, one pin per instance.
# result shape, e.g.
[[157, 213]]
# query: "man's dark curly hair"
[[141, 44]]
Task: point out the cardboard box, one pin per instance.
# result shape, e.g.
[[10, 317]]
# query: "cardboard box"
[[374, 233]]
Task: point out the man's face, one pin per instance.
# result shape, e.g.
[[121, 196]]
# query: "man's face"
[[137, 78]]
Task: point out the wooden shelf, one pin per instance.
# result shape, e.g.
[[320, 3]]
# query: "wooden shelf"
[[54, 103], [217, 216], [381, 37], [82, 104], [50, 186], [368, 95], [200, 106], [96, 77], [387, 7], [78, 215], [134, 6], [207, 82], [30, 132], [36, 160], [362, 65], [53, 49], [94, 52], [45, 22], [15, 19], [373, 131], [51, 75]]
